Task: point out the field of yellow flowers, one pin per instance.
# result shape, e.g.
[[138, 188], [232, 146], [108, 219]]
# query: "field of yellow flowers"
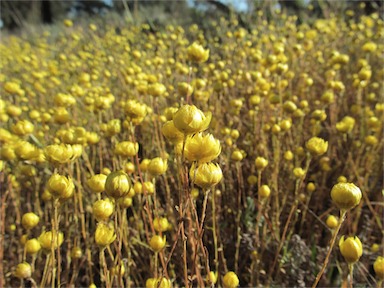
[[178, 158]]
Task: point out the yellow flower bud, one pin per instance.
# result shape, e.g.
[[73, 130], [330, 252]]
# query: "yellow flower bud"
[[264, 191], [351, 249], [202, 148], [160, 224], [144, 165], [45, 240], [317, 146], [371, 140], [157, 243], [156, 89], [97, 183], [148, 187], [157, 166], [197, 53], [59, 153], [125, 201], [158, 283], [76, 253], [332, 221], [298, 172], [230, 280], [212, 277], [30, 220], [261, 163], [32, 246], [205, 175], [117, 184], [311, 187], [60, 186], [171, 132], [103, 209], [184, 89], [237, 155], [346, 195], [378, 266], [68, 23], [288, 155], [22, 128], [345, 125], [126, 149], [252, 180], [104, 235], [189, 119], [23, 270], [375, 247]]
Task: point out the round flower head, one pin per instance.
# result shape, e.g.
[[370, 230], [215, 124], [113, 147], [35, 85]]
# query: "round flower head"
[[230, 280], [23, 270], [103, 209], [45, 240], [30, 220], [189, 119], [351, 249], [171, 132], [117, 184], [97, 183], [261, 163], [378, 266], [346, 195], [317, 146], [202, 148], [205, 175], [126, 148], [157, 166], [197, 53], [32, 246], [157, 243], [60, 186], [104, 235]]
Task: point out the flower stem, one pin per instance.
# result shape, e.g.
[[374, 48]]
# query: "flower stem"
[[331, 244]]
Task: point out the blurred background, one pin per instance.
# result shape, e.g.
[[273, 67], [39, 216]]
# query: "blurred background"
[[22, 14]]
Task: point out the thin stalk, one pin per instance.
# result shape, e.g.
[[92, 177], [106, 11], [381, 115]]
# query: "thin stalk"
[[331, 244]]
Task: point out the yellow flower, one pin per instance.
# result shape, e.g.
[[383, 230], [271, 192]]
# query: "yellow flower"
[[351, 249], [197, 53], [45, 240], [60, 186], [332, 222], [205, 175], [346, 195], [32, 246], [261, 163], [171, 133], [157, 243], [104, 235], [102, 209], [189, 119], [157, 166], [317, 146], [378, 266], [126, 148], [30, 220], [97, 183], [156, 89], [161, 224], [23, 270], [22, 127], [202, 148], [117, 184], [345, 125], [59, 153], [230, 280]]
